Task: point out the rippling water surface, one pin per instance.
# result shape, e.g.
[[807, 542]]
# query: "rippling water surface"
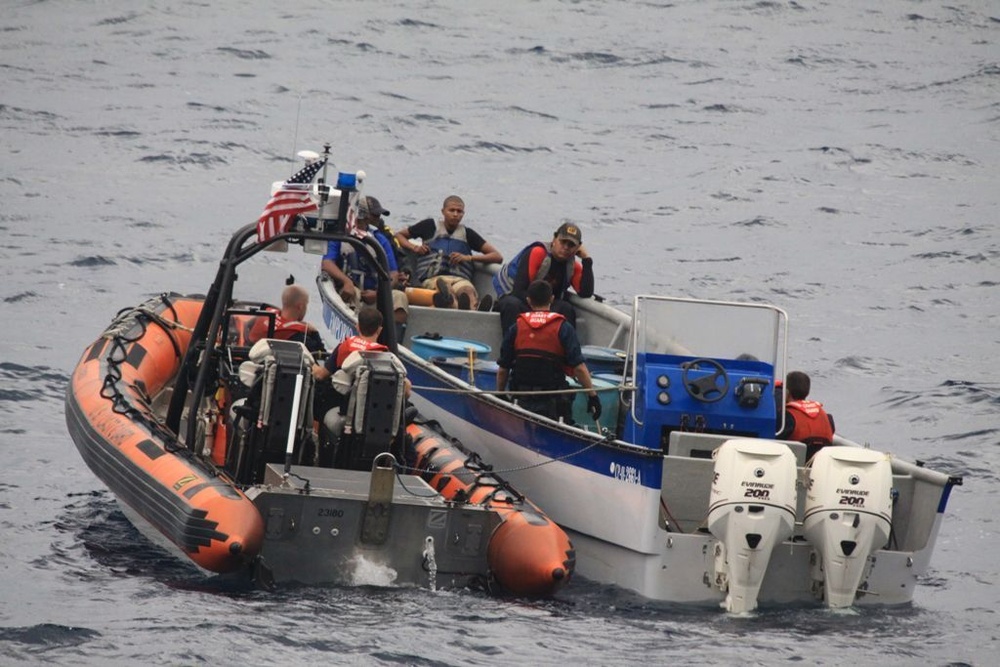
[[839, 160]]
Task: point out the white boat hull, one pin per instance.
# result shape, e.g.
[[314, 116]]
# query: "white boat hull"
[[636, 513], [635, 552]]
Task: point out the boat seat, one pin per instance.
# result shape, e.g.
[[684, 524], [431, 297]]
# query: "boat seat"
[[371, 422], [271, 374]]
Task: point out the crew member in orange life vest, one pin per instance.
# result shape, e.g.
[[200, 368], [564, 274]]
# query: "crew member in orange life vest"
[[538, 352], [805, 421], [369, 329], [289, 322]]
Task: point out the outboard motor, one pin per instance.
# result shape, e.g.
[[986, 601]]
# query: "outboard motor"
[[751, 509], [372, 422], [848, 516]]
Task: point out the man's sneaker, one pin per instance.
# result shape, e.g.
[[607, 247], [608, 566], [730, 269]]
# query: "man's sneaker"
[[442, 297], [486, 304]]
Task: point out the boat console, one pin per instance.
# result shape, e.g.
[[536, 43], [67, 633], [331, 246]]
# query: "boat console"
[[683, 393]]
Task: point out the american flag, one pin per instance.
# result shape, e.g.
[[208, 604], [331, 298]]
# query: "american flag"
[[291, 199]]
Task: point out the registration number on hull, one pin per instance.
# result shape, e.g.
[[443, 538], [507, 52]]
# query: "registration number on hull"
[[629, 474]]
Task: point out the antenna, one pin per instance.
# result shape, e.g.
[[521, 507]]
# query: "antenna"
[[295, 135]]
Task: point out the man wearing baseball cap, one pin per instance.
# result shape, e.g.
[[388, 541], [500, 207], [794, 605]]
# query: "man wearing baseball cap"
[[355, 274], [555, 263]]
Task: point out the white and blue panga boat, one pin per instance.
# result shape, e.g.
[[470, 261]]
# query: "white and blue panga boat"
[[682, 492]]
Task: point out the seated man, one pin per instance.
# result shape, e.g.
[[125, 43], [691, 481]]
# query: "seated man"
[[554, 263], [805, 421], [538, 352], [445, 257], [369, 330], [355, 273], [289, 322]]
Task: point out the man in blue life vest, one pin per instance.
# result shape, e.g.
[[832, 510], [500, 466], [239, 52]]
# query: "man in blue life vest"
[[805, 421], [445, 258], [537, 354], [554, 263], [355, 274]]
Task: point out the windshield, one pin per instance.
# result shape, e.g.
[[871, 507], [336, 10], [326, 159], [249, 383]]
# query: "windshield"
[[714, 329]]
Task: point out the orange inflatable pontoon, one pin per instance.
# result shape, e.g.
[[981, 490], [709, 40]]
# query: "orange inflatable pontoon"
[[529, 554], [111, 418]]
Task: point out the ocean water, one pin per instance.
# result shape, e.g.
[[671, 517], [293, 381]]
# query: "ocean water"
[[839, 160]]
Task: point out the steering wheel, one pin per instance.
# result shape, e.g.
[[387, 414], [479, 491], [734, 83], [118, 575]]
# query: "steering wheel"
[[703, 388]]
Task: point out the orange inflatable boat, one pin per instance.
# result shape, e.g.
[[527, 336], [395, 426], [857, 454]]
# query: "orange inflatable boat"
[[207, 436], [112, 419]]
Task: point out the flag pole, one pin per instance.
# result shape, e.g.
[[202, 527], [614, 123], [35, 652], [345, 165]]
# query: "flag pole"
[[323, 186]]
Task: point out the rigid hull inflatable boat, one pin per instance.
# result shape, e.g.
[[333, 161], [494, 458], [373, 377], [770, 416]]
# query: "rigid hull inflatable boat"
[[207, 438]]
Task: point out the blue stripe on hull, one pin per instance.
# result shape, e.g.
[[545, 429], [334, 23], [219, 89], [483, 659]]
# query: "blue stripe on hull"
[[614, 459], [608, 459]]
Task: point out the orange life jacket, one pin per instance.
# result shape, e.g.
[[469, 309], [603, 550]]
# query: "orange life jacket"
[[287, 330], [355, 344], [812, 424], [537, 340], [283, 329]]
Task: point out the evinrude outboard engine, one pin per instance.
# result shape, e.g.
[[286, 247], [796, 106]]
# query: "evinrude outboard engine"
[[848, 516], [752, 509]]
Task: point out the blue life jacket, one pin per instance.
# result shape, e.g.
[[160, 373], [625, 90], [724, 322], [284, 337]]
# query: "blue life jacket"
[[360, 267], [435, 262], [503, 281]]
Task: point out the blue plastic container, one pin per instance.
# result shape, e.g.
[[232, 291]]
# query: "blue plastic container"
[[426, 347], [485, 370], [603, 359], [609, 402]]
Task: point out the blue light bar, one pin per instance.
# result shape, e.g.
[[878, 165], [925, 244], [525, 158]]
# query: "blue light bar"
[[347, 181]]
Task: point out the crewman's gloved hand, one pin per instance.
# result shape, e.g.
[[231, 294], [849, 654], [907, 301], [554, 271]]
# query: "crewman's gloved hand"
[[594, 407]]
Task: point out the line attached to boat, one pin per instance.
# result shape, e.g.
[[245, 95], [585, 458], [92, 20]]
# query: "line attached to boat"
[[532, 392]]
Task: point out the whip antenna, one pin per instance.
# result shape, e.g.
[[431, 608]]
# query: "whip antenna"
[[295, 134]]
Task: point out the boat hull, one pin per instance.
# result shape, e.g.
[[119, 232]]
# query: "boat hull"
[[617, 534], [300, 523], [369, 528], [614, 498], [110, 418]]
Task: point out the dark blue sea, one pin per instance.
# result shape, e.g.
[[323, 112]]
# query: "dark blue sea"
[[840, 160]]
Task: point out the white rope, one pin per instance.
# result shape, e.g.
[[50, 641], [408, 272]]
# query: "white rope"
[[507, 392]]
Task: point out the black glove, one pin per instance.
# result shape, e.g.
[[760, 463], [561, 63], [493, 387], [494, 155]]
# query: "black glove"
[[594, 407]]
